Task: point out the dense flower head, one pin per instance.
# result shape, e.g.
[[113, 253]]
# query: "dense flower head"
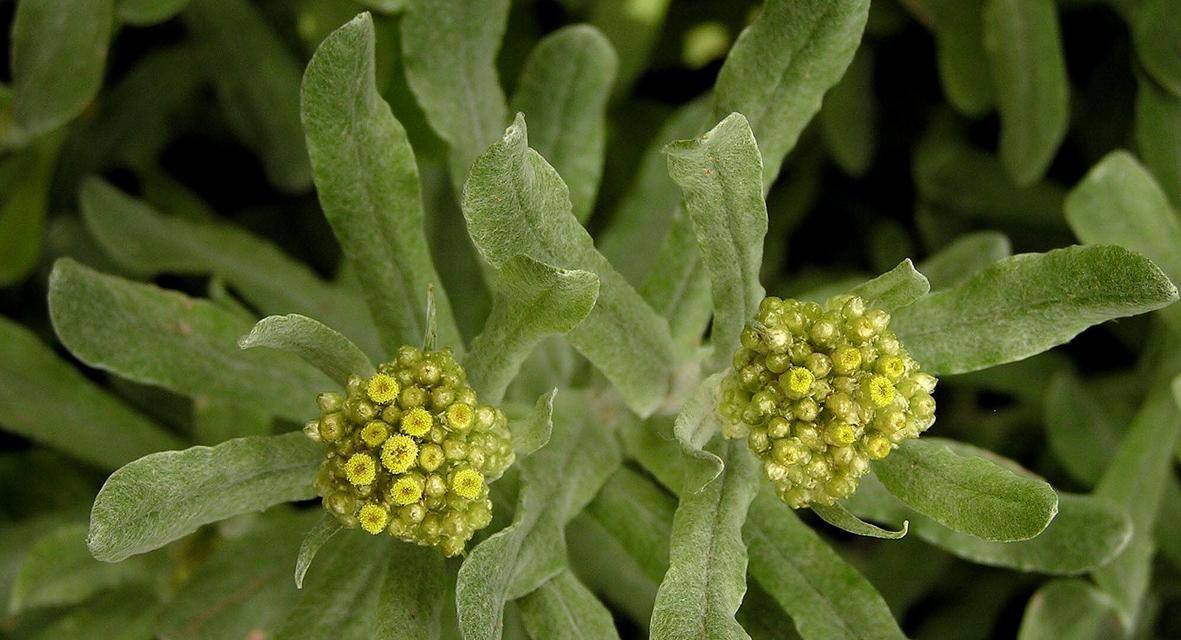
[[410, 451], [819, 392]]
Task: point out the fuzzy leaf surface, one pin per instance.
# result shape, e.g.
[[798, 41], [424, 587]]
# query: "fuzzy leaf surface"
[[316, 344]]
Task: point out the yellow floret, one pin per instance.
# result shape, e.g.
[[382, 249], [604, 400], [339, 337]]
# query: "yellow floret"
[[398, 453], [892, 367], [881, 391], [846, 360], [467, 483], [797, 380], [373, 518], [417, 422], [375, 433], [460, 416], [360, 469], [877, 447], [383, 388], [407, 490]]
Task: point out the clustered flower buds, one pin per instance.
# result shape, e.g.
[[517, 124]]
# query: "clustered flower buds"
[[410, 451], [819, 392]]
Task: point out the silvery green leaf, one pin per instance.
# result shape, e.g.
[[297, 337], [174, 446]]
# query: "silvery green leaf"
[[563, 608], [963, 257], [327, 526], [840, 517], [894, 289], [318, 345], [696, 425], [1070, 609]]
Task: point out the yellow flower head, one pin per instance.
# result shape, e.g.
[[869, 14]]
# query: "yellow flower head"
[[375, 433], [383, 388], [840, 434], [373, 518], [399, 453], [360, 469], [460, 416], [877, 447], [467, 483], [881, 391], [407, 490], [846, 360], [892, 367], [417, 422], [797, 380]]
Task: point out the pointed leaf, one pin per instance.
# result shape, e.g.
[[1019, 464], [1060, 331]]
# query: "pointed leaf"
[[340, 599], [894, 289], [166, 496], [534, 431], [564, 609], [26, 202], [328, 526], [840, 517], [847, 119], [314, 343], [367, 180], [1027, 304], [696, 425]]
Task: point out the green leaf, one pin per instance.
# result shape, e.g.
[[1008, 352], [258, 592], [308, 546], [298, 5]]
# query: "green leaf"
[[1156, 30], [25, 204], [959, 42], [18, 536], [1029, 78], [1087, 533], [826, 598], [963, 257], [328, 526], [515, 203], [164, 338], [59, 49], [1079, 431], [646, 209], [696, 425], [314, 343], [848, 117], [49, 401], [894, 289], [966, 492], [137, 237], [1070, 609], [57, 571], [411, 600], [534, 431], [1136, 479], [533, 300], [1157, 128], [840, 517], [340, 599], [215, 421], [1118, 202], [557, 482], [563, 608], [126, 614], [720, 174], [368, 185], [148, 12], [634, 29], [449, 50], [782, 64], [678, 286], [166, 496], [563, 91], [706, 577], [257, 80], [243, 587], [638, 515], [1028, 303]]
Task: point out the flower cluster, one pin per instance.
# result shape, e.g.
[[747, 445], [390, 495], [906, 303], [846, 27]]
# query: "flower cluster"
[[411, 452], [819, 392]]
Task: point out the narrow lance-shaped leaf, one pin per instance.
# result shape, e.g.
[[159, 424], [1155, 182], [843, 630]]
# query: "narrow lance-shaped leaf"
[[341, 595], [449, 50], [1158, 135], [1027, 304], [720, 174], [678, 287], [1087, 533], [367, 180], [314, 343], [847, 119], [963, 257], [1136, 479], [564, 609], [1079, 431], [1119, 202], [139, 238], [780, 67], [515, 203], [696, 425], [840, 517], [534, 431], [26, 202], [1029, 79], [411, 601], [50, 402], [59, 49], [258, 82], [896, 288], [164, 338], [706, 577], [563, 91], [165, 496], [959, 42], [1070, 609], [328, 526], [532, 300], [967, 493]]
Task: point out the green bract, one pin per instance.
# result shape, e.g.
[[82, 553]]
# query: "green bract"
[[820, 391], [410, 452]]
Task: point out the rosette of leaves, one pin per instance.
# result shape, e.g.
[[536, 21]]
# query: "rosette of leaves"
[[674, 527]]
